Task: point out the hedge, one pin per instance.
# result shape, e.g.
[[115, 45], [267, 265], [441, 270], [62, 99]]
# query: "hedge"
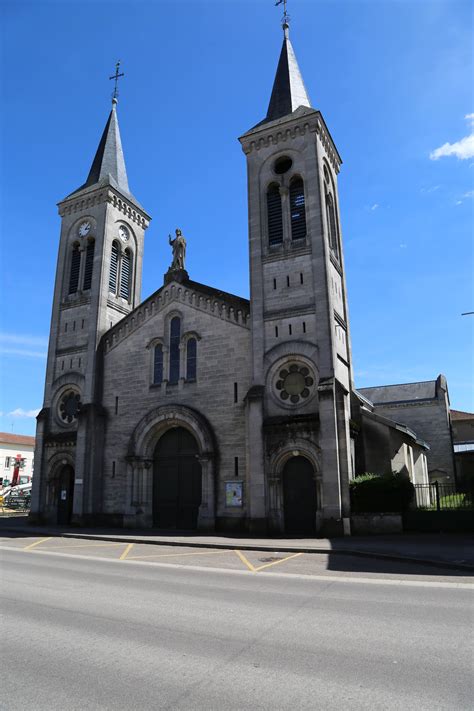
[[372, 493]]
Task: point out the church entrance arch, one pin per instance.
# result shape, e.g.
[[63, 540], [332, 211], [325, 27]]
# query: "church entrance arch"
[[65, 495], [299, 496], [177, 480]]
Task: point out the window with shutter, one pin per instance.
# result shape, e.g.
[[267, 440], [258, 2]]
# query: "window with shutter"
[[175, 335], [332, 225], [125, 274], [297, 209], [75, 268], [89, 266], [191, 359], [114, 257], [158, 365], [274, 215]]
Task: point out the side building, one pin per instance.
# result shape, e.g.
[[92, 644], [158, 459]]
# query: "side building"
[[424, 408]]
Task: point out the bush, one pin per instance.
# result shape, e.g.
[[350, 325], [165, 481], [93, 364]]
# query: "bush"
[[372, 493]]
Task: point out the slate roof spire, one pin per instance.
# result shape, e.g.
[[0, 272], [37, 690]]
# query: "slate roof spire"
[[108, 166], [109, 158], [289, 90]]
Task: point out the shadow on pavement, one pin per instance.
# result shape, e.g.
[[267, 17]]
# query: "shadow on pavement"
[[424, 554]]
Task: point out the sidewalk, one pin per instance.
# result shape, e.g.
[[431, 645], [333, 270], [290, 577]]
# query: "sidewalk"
[[444, 550]]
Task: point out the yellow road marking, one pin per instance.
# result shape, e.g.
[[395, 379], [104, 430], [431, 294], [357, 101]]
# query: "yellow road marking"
[[85, 545], [37, 543], [244, 560], [177, 555], [277, 562], [126, 551]]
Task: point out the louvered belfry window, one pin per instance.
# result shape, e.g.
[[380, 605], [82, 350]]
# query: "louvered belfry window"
[[297, 209], [125, 274], [274, 215], [332, 225], [75, 268], [191, 359], [114, 258], [175, 336], [89, 265], [158, 365]]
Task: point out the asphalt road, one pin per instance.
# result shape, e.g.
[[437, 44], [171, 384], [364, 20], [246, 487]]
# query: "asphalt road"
[[81, 632]]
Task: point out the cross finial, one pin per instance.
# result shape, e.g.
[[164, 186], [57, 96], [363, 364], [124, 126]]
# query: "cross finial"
[[285, 20], [116, 77]]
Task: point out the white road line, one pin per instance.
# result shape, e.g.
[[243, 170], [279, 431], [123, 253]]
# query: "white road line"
[[248, 573]]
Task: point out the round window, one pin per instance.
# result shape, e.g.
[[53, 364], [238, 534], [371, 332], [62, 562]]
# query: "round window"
[[69, 406], [282, 165], [294, 383]]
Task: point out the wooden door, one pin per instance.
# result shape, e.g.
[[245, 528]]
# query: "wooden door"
[[65, 495], [299, 497], [177, 481]]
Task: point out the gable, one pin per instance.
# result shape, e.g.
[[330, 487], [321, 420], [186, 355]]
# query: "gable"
[[218, 304]]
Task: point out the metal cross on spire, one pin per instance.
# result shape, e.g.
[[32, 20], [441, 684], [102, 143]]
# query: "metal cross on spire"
[[285, 20], [116, 77]]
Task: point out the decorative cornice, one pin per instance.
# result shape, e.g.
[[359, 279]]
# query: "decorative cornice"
[[279, 132], [72, 205], [291, 311], [286, 253], [162, 298]]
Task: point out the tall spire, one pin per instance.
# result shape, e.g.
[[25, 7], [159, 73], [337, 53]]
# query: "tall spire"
[[108, 166], [109, 160], [289, 90]]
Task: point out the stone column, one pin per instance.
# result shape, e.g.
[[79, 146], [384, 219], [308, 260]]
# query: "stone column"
[[256, 504], [328, 440], [207, 513]]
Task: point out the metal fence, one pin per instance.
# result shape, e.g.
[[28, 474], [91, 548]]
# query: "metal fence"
[[441, 497]]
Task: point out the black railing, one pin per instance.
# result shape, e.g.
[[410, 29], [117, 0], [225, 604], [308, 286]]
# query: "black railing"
[[441, 497]]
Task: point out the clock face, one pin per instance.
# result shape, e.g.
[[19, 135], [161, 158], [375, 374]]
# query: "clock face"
[[84, 229], [124, 234]]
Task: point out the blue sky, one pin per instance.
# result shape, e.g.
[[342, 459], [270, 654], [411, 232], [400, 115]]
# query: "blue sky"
[[393, 79]]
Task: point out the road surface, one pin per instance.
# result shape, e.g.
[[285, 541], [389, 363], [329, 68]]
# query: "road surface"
[[81, 631]]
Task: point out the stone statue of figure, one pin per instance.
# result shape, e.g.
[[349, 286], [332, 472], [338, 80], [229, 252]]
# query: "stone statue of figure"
[[178, 245]]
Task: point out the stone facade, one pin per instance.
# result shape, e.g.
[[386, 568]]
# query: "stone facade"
[[196, 408], [424, 407]]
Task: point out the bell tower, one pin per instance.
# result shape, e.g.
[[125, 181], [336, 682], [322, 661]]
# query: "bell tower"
[[98, 282], [301, 357]]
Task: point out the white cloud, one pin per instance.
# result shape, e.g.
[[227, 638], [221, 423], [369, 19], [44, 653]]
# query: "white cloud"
[[374, 206], [23, 345], [469, 194], [432, 189], [403, 245], [462, 149], [20, 412]]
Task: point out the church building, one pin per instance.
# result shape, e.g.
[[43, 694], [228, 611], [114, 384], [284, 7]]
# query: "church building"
[[196, 408]]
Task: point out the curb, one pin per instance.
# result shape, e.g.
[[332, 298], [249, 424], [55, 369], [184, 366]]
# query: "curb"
[[246, 547]]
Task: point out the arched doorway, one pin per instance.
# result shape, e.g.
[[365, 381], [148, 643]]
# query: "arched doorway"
[[177, 486], [65, 495], [299, 496]]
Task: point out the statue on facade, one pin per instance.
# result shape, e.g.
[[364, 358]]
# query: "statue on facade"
[[178, 245]]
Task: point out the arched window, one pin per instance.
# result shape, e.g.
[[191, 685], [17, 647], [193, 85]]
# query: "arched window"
[[297, 209], [274, 215], [175, 335], [75, 269], [332, 225], [191, 359], [114, 260], [89, 266], [158, 364], [125, 274]]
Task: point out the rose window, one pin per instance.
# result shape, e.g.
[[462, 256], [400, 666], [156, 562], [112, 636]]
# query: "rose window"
[[69, 406], [294, 383]]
